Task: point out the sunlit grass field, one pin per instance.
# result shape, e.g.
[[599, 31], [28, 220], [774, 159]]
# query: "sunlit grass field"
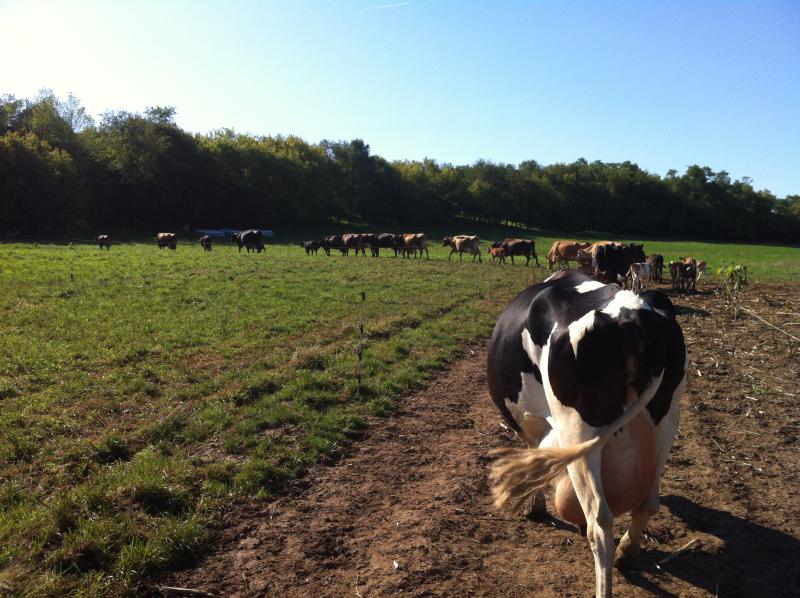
[[141, 390]]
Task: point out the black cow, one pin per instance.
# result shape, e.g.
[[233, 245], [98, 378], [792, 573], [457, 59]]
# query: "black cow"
[[385, 241], [333, 242], [610, 263], [103, 241], [523, 247], [311, 247], [637, 253], [589, 376], [205, 243], [252, 239]]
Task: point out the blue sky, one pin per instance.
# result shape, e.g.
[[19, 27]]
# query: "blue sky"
[[663, 84]]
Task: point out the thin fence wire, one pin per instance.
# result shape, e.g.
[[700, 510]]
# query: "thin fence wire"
[[779, 329]]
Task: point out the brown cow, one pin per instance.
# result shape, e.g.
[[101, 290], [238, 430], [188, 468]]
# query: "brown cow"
[[414, 242], [564, 252], [593, 247], [525, 247], [656, 263], [103, 241], [463, 244], [355, 241], [584, 259], [683, 275], [167, 240], [205, 243], [497, 252]]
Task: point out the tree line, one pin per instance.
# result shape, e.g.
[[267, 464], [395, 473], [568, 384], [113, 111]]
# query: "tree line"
[[61, 171]]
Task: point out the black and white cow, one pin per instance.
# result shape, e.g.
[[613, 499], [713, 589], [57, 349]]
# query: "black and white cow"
[[590, 377]]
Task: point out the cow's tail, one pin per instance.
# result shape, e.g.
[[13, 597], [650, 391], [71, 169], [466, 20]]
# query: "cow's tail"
[[519, 473]]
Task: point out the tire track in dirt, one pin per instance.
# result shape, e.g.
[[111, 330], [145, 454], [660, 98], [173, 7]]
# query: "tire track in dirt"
[[414, 491]]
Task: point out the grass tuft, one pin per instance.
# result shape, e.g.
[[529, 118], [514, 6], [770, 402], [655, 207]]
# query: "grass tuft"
[[112, 447]]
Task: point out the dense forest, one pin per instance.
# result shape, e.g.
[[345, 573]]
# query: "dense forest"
[[60, 171]]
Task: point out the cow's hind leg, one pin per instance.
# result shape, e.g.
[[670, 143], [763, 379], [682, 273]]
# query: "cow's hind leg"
[[627, 553], [587, 482], [534, 431]]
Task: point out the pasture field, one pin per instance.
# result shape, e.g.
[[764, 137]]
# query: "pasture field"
[[143, 391], [140, 389]]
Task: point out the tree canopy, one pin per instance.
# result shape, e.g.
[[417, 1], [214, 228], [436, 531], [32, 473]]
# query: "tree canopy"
[[62, 171]]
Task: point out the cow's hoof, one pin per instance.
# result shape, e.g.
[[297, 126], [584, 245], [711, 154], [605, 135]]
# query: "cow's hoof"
[[539, 515], [538, 510], [627, 563], [626, 556]]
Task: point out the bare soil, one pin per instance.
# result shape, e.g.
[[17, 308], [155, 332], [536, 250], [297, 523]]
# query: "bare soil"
[[408, 511]]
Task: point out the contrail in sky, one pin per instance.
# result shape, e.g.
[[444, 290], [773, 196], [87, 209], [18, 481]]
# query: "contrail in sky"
[[396, 4]]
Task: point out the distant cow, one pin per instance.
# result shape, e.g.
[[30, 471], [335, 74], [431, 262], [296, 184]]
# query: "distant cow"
[[310, 247], [637, 253], [415, 242], [683, 275], [563, 252], [523, 247], [611, 261], [497, 252], [332, 242], [462, 244], [205, 243], [371, 240], [584, 259], [167, 240], [252, 240], [690, 276], [640, 273], [590, 378], [103, 241], [385, 241], [701, 269], [656, 262], [357, 242], [677, 272]]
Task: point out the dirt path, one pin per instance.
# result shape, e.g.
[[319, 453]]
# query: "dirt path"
[[414, 492]]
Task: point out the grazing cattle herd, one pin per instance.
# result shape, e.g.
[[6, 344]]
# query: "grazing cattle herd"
[[606, 261]]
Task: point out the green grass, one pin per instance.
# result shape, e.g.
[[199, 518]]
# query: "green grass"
[[143, 390]]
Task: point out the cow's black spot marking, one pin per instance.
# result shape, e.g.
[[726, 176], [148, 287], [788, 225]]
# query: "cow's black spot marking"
[[632, 348], [537, 374]]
